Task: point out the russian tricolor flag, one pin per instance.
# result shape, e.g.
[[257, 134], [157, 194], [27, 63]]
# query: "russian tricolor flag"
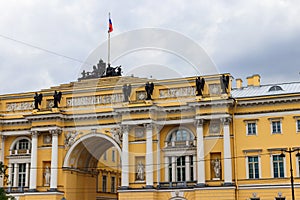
[[110, 26]]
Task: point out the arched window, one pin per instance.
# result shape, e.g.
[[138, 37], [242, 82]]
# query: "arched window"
[[19, 163], [180, 157], [21, 146], [275, 88], [180, 137]]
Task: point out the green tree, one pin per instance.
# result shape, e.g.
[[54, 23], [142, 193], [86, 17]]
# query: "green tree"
[[3, 194]]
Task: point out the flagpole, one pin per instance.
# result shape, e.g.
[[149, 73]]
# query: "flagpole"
[[108, 46]]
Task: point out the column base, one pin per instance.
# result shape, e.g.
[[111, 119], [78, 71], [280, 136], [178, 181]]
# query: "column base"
[[200, 185], [53, 190], [124, 188], [228, 184], [149, 187]]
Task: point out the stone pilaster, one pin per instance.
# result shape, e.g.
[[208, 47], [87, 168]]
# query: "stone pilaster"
[[149, 155], [54, 159], [33, 161], [125, 158], [200, 153], [227, 152]]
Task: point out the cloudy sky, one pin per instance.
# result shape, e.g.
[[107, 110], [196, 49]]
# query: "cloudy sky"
[[46, 43]]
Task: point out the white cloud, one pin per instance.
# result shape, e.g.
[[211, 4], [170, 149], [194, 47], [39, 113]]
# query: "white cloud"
[[240, 36]]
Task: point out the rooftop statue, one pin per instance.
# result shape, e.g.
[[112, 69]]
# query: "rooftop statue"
[[101, 70], [37, 100], [200, 82], [56, 98], [224, 81], [149, 87], [126, 92]]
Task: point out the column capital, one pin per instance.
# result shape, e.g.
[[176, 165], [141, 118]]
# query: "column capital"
[[34, 133], [55, 132], [148, 126], [199, 122], [3, 137], [225, 120], [125, 128]]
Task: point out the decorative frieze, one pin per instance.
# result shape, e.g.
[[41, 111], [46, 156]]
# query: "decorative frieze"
[[177, 92], [20, 106], [214, 89], [93, 100]]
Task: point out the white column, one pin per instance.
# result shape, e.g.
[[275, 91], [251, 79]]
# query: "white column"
[[33, 161], [194, 168], [187, 168], [200, 153], [16, 172], [173, 169], [158, 156], [149, 156], [166, 169], [125, 158], [2, 156], [227, 152], [54, 160], [27, 175]]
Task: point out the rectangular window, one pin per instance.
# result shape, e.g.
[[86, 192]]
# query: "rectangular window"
[[22, 175], [279, 198], [251, 128], [104, 183], [170, 169], [255, 198], [276, 127], [113, 155], [253, 167], [298, 125], [105, 155], [191, 168], [278, 166], [113, 184], [180, 168], [12, 174]]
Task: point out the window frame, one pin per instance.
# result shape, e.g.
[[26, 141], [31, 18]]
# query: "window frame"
[[248, 170], [298, 125], [276, 120], [283, 164], [180, 169], [247, 128], [104, 185]]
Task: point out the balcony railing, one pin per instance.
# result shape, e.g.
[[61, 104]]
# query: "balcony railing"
[[181, 184], [16, 189], [187, 143], [20, 152]]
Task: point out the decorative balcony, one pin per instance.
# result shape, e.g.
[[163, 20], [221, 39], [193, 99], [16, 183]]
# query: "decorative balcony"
[[172, 185], [18, 152]]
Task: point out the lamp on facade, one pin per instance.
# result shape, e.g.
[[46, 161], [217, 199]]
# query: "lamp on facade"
[[282, 155], [63, 198]]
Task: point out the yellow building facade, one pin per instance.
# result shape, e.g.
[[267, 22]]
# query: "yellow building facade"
[[190, 140]]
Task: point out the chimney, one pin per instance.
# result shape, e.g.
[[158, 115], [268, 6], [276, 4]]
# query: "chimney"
[[239, 83], [253, 80]]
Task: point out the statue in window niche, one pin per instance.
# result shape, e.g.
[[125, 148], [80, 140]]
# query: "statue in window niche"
[[224, 81], [37, 100], [47, 176], [126, 92], [149, 87], [200, 82], [140, 171], [57, 98], [216, 164]]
